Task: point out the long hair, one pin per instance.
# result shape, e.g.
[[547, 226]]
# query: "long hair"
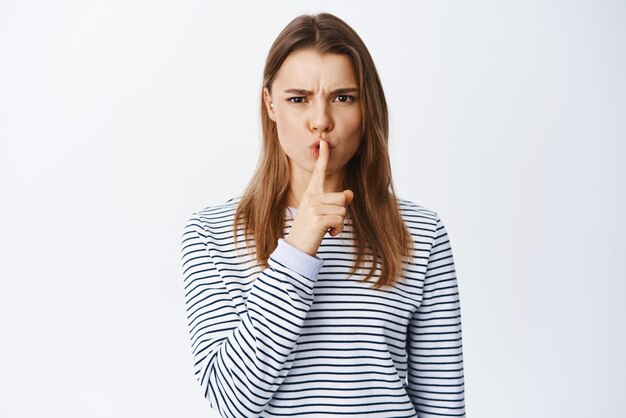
[[378, 229]]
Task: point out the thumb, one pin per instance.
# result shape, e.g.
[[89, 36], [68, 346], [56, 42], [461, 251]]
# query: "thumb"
[[349, 195]]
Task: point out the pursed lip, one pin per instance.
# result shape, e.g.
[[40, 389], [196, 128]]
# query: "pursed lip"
[[316, 144]]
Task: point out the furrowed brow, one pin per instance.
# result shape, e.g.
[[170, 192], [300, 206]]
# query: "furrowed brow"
[[303, 92]]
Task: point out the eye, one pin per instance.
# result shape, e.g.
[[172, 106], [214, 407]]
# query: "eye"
[[351, 98], [347, 99]]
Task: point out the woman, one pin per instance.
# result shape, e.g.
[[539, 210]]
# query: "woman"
[[346, 301]]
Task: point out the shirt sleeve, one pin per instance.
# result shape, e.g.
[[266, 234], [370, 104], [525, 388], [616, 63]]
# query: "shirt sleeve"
[[240, 361], [434, 346]]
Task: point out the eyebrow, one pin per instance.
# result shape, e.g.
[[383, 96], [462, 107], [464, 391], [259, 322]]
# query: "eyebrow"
[[303, 92]]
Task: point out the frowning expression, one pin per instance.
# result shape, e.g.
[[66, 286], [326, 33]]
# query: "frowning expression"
[[316, 96]]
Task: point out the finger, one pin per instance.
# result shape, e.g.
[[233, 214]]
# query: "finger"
[[328, 203], [336, 224], [336, 231], [316, 183], [349, 196], [332, 199], [330, 208]]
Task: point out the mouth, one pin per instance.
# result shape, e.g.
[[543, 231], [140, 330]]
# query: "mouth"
[[316, 145]]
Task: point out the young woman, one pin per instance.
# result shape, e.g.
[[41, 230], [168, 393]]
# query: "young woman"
[[345, 302]]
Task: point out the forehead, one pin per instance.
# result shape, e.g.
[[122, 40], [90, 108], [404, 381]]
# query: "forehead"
[[308, 69]]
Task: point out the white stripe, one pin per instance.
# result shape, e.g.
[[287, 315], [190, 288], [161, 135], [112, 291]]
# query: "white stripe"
[[302, 338]]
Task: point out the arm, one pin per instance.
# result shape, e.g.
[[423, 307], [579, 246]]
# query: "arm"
[[241, 361], [434, 346]]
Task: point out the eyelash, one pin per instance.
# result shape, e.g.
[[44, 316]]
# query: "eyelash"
[[341, 95]]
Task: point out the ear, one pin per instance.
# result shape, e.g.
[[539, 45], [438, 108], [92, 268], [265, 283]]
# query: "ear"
[[267, 98]]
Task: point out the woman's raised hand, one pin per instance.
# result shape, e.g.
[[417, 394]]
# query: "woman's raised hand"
[[318, 211]]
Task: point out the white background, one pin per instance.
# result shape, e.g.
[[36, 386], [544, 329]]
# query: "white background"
[[118, 119]]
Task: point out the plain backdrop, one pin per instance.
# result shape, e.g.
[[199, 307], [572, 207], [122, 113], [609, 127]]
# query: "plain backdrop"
[[118, 119]]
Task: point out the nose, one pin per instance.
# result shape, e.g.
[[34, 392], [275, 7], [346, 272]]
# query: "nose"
[[321, 119]]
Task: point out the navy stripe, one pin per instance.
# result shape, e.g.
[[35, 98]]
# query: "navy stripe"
[[276, 342]]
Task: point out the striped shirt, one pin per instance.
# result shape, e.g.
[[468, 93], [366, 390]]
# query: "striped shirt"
[[303, 338]]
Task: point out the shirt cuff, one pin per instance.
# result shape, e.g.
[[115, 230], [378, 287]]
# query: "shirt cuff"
[[297, 260]]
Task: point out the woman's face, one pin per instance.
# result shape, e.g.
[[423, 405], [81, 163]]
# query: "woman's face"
[[316, 96]]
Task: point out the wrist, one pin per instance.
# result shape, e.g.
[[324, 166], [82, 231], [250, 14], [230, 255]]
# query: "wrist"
[[289, 240]]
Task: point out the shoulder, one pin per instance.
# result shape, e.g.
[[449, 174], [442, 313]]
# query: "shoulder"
[[214, 215], [414, 212], [419, 219], [219, 210]]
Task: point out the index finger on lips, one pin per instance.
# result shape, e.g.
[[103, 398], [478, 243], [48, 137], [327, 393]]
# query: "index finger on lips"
[[316, 183]]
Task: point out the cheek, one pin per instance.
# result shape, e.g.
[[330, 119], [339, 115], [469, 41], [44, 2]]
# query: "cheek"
[[353, 126], [289, 130], [288, 137], [353, 132], [353, 119], [285, 125]]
